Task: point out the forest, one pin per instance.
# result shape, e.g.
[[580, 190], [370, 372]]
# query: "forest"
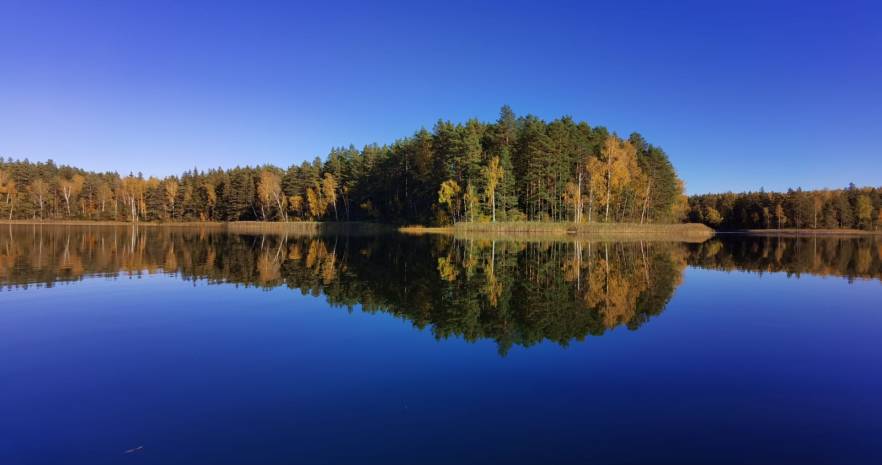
[[850, 208], [517, 168]]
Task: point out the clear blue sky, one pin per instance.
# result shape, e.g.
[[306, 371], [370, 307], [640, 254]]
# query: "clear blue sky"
[[741, 95]]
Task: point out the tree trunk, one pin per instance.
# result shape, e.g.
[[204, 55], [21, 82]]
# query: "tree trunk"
[[608, 187], [66, 192], [645, 201], [493, 207], [590, 199], [282, 212]]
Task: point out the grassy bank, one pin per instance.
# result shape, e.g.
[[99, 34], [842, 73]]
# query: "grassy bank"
[[535, 230], [418, 230], [182, 224], [307, 227], [533, 227], [244, 227]]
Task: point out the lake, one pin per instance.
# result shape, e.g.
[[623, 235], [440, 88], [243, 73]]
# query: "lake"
[[173, 345]]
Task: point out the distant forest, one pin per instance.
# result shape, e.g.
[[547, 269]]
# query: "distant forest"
[[851, 208], [518, 168]]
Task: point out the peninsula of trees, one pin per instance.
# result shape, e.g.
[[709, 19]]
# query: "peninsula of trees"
[[515, 169]]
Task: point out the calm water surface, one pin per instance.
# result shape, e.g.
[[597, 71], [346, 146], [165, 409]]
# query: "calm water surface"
[[179, 346]]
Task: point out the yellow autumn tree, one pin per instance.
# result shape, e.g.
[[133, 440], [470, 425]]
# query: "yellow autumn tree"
[[572, 197], [620, 159], [295, 204], [316, 203], [329, 192], [471, 201], [448, 195], [171, 194], [493, 173], [596, 182], [269, 193], [712, 216], [132, 191]]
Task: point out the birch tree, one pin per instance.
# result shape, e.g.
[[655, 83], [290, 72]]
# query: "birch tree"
[[269, 192], [71, 188], [448, 195], [39, 189], [493, 173], [329, 192]]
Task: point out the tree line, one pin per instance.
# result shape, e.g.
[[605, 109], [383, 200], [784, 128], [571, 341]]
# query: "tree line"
[[517, 168], [850, 208]]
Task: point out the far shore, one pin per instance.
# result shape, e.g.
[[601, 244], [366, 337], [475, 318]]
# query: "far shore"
[[247, 227], [803, 232]]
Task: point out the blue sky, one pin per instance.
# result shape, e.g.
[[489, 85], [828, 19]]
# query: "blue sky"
[[741, 95]]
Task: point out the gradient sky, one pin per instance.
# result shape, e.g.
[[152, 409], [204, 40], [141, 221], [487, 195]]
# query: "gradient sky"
[[741, 95]]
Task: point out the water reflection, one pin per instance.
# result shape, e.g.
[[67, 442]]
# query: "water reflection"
[[513, 292], [849, 257]]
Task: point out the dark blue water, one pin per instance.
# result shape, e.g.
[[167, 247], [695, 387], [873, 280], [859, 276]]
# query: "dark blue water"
[[179, 366]]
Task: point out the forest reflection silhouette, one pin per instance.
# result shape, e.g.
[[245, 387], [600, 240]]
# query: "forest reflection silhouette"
[[513, 292]]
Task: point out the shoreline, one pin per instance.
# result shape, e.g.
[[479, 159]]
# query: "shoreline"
[[245, 227], [108, 223], [574, 228], [528, 230], [514, 230], [801, 232]]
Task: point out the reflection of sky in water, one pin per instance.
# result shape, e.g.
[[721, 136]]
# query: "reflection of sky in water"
[[738, 368]]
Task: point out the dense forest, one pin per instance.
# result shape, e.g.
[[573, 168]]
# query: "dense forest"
[[518, 168], [851, 208]]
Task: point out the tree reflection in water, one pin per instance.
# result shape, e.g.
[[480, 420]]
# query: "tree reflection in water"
[[513, 292]]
